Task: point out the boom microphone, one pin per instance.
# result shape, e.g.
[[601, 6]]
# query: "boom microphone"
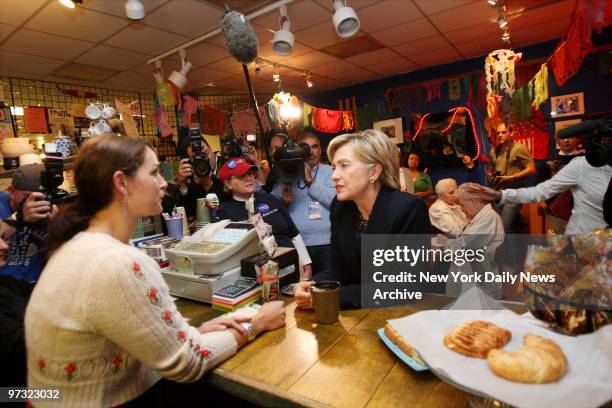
[[240, 39]]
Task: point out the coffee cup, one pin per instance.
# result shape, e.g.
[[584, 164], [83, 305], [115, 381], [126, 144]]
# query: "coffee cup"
[[202, 213], [175, 227], [93, 112], [108, 111], [326, 301], [97, 128]]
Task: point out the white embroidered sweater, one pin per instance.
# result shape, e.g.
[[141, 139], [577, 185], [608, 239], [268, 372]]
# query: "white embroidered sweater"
[[101, 325]]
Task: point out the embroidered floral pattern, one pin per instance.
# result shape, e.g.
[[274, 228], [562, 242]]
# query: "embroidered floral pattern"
[[137, 270], [70, 370], [168, 318], [117, 363], [41, 364], [181, 336], [153, 296], [205, 353]]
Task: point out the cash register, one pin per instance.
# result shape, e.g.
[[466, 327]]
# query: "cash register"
[[209, 260]]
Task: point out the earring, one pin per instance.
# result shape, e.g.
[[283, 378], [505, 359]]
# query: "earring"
[[123, 201], [372, 180]]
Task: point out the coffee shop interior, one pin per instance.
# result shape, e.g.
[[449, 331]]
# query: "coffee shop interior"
[[195, 194]]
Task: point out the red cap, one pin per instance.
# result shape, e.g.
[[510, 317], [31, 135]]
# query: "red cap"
[[235, 167]]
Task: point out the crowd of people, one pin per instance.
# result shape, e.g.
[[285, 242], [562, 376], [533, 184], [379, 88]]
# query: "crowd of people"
[[100, 321]]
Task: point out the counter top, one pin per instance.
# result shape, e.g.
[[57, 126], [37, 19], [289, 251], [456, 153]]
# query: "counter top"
[[340, 365]]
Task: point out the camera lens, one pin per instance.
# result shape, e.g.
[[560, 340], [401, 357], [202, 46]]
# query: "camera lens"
[[201, 167]]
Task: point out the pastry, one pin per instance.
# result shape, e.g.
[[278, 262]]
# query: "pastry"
[[475, 338], [402, 344], [540, 360]]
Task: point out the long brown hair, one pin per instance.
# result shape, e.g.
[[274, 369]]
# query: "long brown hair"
[[98, 160]]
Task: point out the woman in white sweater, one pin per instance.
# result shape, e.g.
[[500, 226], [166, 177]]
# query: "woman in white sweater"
[[101, 324]]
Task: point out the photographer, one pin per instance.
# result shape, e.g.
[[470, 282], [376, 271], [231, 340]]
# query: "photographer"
[[509, 164], [25, 206], [587, 177], [309, 201], [277, 141], [192, 185]]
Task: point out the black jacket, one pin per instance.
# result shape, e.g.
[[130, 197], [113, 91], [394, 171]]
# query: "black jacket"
[[394, 212]]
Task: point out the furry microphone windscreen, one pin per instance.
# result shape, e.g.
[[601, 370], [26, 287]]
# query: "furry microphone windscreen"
[[240, 39]]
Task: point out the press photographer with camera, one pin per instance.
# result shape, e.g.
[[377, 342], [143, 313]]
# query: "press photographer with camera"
[[588, 177], [24, 206], [195, 177], [308, 199], [509, 164]]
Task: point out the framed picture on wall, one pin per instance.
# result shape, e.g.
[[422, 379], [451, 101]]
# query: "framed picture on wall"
[[392, 128], [567, 105], [562, 124]]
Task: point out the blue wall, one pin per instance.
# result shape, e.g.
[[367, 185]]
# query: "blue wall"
[[597, 90]]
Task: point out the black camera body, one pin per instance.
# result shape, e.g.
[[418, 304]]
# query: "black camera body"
[[199, 161], [289, 162], [234, 148], [595, 135], [52, 177]]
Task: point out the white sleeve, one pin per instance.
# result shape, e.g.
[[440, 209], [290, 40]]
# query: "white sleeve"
[[130, 304], [568, 177], [300, 247]]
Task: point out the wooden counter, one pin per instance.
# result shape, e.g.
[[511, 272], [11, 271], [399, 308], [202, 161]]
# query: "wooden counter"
[[340, 365]]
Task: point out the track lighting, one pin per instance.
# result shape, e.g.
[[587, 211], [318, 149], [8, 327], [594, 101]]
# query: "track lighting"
[[503, 23], [179, 78], [275, 75], [70, 3], [506, 36], [309, 81], [345, 19], [283, 41], [134, 9], [492, 2]]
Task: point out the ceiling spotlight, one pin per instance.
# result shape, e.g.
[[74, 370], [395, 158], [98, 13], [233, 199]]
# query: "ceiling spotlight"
[[70, 3], [345, 19], [179, 78], [309, 81], [282, 44], [134, 9], [506, 36], [275, 75], [258, 71], [502, 22], [492, 2]]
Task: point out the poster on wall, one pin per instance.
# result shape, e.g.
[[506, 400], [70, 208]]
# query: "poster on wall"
[[567, 105], [392, 128], [6, 124], [35, 119], [61, 121]]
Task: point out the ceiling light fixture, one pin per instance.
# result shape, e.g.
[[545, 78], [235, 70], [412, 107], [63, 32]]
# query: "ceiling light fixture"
[[345, 19], [309, 81], [492, 2], [283, 40], [70, 3], [506, 36], [275, 74], [134, 9], [179, 78], [503, 23]]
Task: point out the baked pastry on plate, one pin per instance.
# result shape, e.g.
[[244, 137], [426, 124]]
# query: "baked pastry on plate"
[[475, 338], [540, 360]]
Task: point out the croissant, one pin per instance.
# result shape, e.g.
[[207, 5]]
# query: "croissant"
[[540, 360]]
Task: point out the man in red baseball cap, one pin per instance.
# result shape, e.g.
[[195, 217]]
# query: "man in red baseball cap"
[[240, 178], [235, 167]]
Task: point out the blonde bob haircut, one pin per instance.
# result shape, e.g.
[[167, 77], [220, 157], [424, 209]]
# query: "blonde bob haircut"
[[371, 147]]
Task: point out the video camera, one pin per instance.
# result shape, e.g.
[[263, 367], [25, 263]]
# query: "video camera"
[[53, 176], [289, 162], [199, 161], [233, 148], [598, 152]]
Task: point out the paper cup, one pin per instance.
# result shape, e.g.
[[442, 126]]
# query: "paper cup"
[[181, 210], [202, 213], [175, 227], [326, 301]]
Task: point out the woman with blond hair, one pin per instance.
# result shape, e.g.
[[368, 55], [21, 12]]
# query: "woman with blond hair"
[[368, 201]]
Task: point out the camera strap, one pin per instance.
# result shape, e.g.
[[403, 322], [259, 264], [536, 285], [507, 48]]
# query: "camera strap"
[[314, 177]]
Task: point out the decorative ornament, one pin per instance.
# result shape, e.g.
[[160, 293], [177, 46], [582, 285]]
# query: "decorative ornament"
[[189, 108], [454, 89], [500, 78], [433, 90], [540, 87]]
